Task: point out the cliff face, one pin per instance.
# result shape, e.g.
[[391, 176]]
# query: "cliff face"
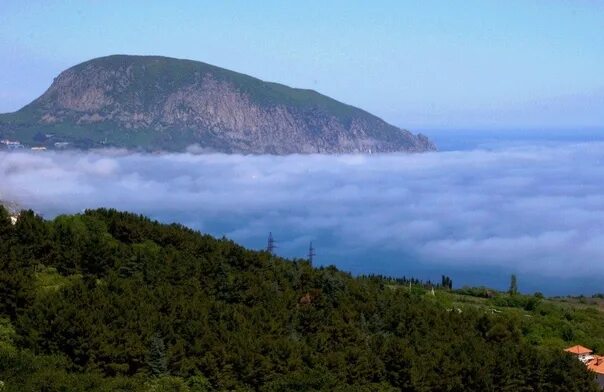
[[161, 103]]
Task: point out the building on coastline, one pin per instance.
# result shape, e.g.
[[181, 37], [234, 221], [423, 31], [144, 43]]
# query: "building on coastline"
[[12, 144], [61, 144]]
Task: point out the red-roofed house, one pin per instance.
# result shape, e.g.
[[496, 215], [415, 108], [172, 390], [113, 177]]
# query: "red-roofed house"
[[596, 365], [584, 354]]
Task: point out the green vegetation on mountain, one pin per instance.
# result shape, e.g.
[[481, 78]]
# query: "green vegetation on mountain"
[[111, 301], [161, 103]]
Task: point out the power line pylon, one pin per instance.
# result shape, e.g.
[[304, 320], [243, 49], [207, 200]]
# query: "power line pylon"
[[311, 253], [270, 247]]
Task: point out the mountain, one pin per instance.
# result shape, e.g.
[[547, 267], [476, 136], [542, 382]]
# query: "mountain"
[[160, 103]]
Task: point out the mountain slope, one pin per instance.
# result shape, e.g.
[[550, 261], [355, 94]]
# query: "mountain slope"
[[159, 103]]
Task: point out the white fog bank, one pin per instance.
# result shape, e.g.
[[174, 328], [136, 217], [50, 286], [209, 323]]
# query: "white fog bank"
[[528, 210]]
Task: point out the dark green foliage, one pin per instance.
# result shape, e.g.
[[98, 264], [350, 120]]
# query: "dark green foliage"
[[157, 360], [16, 283], [148, 307], [199, 384], [5, 224], [446, 282], [16, 262], [480, 292], [525, 302], [513, 285]]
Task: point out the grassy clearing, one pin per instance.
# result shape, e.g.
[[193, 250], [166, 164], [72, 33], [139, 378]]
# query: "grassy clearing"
[[49, 279]]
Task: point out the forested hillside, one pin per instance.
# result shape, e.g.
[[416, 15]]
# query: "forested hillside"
[[111, 301]]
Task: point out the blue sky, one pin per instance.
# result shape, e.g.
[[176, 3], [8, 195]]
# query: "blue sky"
[[448, 64]]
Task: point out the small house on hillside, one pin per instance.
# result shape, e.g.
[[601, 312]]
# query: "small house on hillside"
[[596, 365], [584, 354]]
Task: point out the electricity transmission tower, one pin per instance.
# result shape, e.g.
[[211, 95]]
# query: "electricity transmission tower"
[[311, 253], [270, 247]]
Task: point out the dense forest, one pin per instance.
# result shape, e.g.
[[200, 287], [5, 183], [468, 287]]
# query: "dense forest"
[[111, 301]]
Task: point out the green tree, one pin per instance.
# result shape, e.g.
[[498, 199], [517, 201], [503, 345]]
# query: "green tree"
[[199, 383], [6, 227], [167, 384], [134, 298], [16, 283], [513, 285], [157, 358]]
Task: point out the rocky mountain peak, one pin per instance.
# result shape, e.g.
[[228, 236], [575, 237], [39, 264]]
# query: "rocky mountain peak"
[[159, 103]]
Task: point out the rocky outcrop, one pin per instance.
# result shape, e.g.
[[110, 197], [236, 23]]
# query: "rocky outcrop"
[[162, 103]]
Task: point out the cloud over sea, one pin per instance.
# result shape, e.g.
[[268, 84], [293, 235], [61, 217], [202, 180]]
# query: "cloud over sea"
[[535, 211]]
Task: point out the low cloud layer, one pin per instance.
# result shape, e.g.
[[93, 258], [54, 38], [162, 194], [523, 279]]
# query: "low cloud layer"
[[534, 211]]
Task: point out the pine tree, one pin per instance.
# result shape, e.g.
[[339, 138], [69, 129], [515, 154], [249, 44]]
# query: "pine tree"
[[513, 285], [17, 289], [156, 359], [446, 282]]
